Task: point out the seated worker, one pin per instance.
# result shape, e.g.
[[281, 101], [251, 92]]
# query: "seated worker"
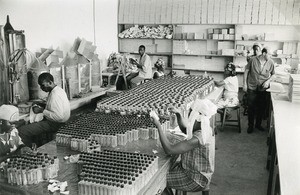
[[231, 88], [159, 65], [144, 69], [56, 110], [194, 170], [10, 142]]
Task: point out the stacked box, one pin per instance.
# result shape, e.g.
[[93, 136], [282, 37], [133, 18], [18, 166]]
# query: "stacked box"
[[294, 88], [115, 172]]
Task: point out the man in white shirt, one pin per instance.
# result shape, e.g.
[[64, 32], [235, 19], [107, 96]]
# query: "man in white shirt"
[[144, 67], [56, 111]]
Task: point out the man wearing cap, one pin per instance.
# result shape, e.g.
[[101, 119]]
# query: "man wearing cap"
[[10, 142], [194, 171], [257, 77], [56, 111]]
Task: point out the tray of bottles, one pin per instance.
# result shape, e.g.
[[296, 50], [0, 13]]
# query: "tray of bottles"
[[115, 172], [30, 168], [90, 131], [159, 95]]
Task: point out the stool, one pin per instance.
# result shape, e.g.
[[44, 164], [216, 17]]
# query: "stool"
[[178, 192], [227, 110]]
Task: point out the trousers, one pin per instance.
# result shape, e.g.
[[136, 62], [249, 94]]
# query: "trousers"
[[257, 104], [27, 132]]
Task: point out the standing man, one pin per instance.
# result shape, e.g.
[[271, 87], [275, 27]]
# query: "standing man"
[[257, 76], [144, 68], [56, 110]]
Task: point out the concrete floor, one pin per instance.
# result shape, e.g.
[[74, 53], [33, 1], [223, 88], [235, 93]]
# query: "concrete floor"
[[240, 160]]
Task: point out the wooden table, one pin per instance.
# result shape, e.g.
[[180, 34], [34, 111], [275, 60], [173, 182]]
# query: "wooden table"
[[68, 172], [285, 175]]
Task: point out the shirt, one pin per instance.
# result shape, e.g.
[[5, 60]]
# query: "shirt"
[[258, 73], [9, 142], [231, 87], [58, 106], [200, 162], [145, 62]]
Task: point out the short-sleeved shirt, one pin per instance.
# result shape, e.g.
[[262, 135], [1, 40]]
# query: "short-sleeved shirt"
[[146, 71], [10, 142], [259, 74], [231, 87], [200, 162]]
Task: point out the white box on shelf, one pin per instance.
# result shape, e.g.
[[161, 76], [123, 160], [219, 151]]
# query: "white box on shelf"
[[215, 36], [224, 31], [220, 37]]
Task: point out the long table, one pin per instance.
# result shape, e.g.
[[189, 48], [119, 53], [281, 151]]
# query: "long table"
[[285, 140], [68, 172]]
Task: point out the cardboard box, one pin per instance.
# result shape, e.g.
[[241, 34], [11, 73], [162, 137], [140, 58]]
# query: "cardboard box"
[[215, 36], [199, 35], [191, 35], [224, 31], [231, 31], [210, 30], [220, 37], [226, 36], [217, 31], [231, 37], [184, 35]]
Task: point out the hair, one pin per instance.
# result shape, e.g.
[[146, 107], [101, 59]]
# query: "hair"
[[46, 76], [142, 46], [265, 50], [255, 47], [231, 69]]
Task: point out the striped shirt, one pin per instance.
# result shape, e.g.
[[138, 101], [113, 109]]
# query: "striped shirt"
[[199, 162]]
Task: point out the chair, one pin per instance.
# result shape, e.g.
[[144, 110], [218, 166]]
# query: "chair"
[[225, 111]]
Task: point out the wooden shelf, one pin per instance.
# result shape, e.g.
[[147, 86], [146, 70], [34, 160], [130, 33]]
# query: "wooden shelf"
[[147, 38], [158, 54], [204, 39], [210, 55], [278, 41]]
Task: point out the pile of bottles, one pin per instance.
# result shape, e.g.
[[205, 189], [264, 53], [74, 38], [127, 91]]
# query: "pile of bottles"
[[115, 172], [159, 95], [93, 130], [30, 168]]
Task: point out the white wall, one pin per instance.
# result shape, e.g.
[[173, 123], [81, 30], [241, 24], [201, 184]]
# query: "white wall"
[[56, 23]]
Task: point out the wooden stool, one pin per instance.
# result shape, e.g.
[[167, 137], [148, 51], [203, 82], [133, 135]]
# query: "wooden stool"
[[226, 111], [178, 192]]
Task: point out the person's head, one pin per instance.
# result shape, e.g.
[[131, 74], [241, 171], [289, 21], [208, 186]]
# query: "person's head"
[[159, 65], [142, 49], [8, 115], [230, 70], [265, 53], [46, 81], [256, 49]]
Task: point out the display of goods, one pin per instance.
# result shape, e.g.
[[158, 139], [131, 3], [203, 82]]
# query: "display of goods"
[[159, 94], [115, 172], [142, 31], [93, 130], [30, 168]]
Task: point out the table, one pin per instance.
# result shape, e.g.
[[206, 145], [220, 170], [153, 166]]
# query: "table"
[[68, 172], [285, 142]]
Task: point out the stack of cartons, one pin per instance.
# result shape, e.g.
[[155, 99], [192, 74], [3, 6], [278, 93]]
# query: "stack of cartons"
[[294, 88]]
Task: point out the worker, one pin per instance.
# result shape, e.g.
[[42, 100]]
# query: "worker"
[[231, 88], [10, 141], [257, 77], [194, 171], [144, 68], [159, 65], [56, 110]]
